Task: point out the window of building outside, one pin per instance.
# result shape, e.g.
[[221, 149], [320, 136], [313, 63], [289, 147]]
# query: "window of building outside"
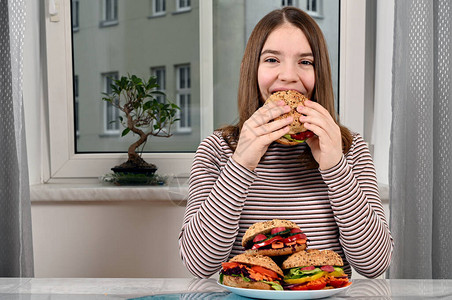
[[287, 3], [110, 12], [75, 14], [158, 7], [175, 61], [111, 113], [183, 5], [160, 74], [184, 97], [314, 7]]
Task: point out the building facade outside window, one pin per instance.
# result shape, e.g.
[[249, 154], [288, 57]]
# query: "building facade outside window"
[[111, 113], [160, 73], [183, 97], [158, 7]]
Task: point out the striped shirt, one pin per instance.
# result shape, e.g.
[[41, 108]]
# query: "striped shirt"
[[338, 208]]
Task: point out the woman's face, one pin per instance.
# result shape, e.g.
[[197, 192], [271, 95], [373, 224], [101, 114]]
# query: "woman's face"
[[286, 62]]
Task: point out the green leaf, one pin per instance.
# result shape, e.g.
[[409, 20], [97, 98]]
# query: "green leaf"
[[125, 131]]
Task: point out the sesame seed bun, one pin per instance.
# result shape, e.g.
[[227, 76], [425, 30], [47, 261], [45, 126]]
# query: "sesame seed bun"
[[313, 257], [257, 260], [293, 99], [264, 228]]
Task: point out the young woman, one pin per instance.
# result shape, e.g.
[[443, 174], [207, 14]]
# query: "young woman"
[[241, 176]]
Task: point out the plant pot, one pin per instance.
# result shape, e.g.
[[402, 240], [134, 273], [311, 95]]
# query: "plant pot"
[[146, 170]]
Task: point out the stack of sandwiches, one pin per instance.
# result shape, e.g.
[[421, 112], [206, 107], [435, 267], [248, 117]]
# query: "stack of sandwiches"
[[276, 258]]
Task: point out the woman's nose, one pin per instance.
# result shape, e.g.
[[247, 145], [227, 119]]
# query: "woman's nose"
[[288, 72]]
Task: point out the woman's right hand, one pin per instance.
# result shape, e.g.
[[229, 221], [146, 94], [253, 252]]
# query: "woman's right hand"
[[258, 133]]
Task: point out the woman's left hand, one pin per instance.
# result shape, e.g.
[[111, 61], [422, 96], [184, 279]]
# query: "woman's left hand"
[[326, 145]]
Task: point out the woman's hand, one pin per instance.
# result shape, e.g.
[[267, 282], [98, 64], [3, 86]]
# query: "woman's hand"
[[326, 145], [258, 133]]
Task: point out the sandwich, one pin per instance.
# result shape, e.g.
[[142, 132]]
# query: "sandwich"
[[251, 272], [274, 238], [314, 270], [297, 133]]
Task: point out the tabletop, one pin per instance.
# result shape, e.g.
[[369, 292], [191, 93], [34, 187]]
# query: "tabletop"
[[191, 288]]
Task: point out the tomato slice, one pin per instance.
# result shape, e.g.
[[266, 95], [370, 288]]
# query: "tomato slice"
[[317, 284], [338, 282], [259, 237], [302, 135], [277, 229], [264, 271], [300, 287], [267, 242], [229, 265], [295, 230]]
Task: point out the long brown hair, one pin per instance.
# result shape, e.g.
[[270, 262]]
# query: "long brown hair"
[[249, 98]]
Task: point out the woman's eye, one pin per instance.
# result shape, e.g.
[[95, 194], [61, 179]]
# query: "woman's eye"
[[307, 62], [272, 60]]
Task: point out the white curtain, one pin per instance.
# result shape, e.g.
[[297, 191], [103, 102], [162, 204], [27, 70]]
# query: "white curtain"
[[421, 140], [16, 252]]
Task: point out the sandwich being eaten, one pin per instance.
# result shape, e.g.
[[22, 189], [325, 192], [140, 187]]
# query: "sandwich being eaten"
[[314, 270], [274, 238], [251, 272], [297, 133]]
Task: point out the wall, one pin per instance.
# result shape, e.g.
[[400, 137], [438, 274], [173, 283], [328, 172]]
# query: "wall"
[[107, 239]]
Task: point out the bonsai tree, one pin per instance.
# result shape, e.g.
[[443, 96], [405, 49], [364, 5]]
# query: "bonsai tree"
[[143, 115]]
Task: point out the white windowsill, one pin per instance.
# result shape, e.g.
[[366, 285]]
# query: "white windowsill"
[[176, 192]]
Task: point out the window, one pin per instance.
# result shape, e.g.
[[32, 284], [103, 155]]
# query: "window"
[[287, 3], [111, 113], [158, 7], [183, 98], [314, 8], [110, 13], [208, 103], [183, 5], [75, 15], [160, 73]]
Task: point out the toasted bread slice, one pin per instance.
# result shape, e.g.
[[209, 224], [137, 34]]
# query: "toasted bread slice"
[[265, 227], [239, 282], [313, 257], [257, 260]]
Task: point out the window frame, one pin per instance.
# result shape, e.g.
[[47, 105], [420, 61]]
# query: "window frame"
[[159, 13], [66, 165]]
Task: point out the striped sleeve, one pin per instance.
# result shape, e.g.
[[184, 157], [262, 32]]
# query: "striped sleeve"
[[353, 192], [218, 187]]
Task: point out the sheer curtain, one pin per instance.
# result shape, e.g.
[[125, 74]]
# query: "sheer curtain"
[[16, 252], [421, 140]]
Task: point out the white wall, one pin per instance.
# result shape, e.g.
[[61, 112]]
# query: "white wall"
[[107, 239]]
